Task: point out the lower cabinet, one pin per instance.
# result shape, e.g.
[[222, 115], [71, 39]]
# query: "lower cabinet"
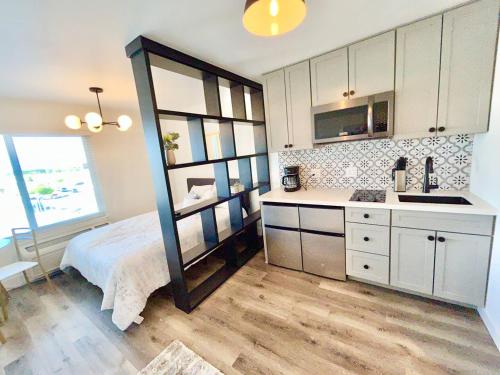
[[372, 267], [323, 255], [283, 248], [412, 259], [462, 262]]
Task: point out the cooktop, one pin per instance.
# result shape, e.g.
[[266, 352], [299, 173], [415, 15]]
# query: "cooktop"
[[368, 196]]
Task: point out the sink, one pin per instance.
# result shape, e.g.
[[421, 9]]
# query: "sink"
[[439, 199]]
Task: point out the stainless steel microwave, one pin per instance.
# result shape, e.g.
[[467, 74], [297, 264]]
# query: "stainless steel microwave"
[[354, 119]]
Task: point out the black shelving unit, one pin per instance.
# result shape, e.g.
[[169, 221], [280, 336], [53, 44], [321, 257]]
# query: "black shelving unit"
[[237, 244]]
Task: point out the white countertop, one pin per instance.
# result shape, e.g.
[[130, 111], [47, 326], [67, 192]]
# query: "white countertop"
[[341, 198]]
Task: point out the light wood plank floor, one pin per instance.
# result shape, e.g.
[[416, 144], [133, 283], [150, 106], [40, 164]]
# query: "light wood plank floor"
[[264, 320]]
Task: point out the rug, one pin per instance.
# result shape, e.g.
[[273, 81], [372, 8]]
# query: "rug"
[[177, 359]]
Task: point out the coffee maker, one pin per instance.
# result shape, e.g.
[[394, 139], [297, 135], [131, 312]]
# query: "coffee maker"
[[291, 179]]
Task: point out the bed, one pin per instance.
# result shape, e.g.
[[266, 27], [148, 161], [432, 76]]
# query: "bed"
[[127, 259]]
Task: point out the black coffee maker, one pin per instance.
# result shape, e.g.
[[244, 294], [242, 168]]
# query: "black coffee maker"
[[291, 179]]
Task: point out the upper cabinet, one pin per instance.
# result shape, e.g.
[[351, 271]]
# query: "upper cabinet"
[[418, 49], [287, 94], [298, 104], [329, 77], [275, 103], [371, 66], [467, 63]]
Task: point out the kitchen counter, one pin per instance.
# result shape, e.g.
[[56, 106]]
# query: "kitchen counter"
[[341, 198]]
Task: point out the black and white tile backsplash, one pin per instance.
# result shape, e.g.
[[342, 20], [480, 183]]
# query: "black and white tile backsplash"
[[375, 159]]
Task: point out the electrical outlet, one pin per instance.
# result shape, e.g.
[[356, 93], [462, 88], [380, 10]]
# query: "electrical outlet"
[[351, 172], [316, 172]]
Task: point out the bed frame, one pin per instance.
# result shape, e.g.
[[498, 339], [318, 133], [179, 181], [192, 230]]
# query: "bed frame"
[[237, 244]]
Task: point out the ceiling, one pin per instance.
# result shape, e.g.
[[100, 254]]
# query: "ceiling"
[[54, 50]]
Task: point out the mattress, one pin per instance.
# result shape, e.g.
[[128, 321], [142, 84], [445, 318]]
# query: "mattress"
[[127, 259]]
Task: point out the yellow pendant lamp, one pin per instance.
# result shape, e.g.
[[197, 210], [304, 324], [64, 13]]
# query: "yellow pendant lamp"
[[273, 17]]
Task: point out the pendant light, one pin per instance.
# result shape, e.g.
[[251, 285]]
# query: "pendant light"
[[94, 120], [273, 17]]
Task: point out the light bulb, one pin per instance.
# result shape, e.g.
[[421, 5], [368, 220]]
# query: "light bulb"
[[93, 119], [95, 129], [273, 8], [73, 122], [124, 123]]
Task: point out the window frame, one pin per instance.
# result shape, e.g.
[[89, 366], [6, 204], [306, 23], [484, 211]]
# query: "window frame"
[[23, 191]]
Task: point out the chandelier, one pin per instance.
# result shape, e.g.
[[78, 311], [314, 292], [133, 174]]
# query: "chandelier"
[[94, 120]]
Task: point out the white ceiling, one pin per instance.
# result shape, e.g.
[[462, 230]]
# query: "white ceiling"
[[55, 50]]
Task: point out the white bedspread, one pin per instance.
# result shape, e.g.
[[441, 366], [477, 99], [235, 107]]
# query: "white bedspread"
[[127, 260]]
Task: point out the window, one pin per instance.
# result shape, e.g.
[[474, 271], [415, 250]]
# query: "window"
[[53, 179], [12, 213]]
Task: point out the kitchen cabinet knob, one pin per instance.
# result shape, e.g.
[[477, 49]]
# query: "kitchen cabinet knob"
[[290, 146], [441, 239], [366, 216], [441, 129], [431, 238], [366, 266], [351, 92], [366, 239], [432, 130], [345, 94], [286, 146]]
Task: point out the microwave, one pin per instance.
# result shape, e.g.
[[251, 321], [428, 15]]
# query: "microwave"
[[354, 119]]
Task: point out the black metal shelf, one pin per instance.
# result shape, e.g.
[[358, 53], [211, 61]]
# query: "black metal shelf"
[[214, 161], [243, 231], [166, 115]]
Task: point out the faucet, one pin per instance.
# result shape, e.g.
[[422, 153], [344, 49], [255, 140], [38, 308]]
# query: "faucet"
[[429, 168]]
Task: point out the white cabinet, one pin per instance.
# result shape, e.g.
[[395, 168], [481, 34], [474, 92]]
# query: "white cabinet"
[[418, 48], [329, 77], [287, 95], [298, 104], [371, 65], [467, 62], [462, 262], [412, 259], [275, 100]]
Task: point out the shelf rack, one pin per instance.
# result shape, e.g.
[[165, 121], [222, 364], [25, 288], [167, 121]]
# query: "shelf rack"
[[238, 243]]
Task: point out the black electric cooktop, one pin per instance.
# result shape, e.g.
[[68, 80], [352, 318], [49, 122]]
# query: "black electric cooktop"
[[368, 196]]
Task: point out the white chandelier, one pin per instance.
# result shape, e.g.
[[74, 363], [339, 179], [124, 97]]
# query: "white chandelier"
[[94, 120]]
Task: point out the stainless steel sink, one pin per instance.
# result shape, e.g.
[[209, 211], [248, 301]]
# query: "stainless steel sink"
[[439, 199]]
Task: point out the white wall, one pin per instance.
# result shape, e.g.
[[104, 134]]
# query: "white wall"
[[485, 182], [119, 158]]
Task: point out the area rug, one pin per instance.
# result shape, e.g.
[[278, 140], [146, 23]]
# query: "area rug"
[[177, 359]]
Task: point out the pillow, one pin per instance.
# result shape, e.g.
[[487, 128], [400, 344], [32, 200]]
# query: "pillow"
[[197, 191]]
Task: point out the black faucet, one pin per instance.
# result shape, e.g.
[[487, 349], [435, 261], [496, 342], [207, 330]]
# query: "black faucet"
[[429, 168]]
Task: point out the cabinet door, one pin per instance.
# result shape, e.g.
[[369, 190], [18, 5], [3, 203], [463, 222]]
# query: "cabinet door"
[[275, 102], [323, 255], [329, 75], [462, 262], [412, 259], [283, 248], [418, 49], [298, 102], [468, 55], [371, 66]]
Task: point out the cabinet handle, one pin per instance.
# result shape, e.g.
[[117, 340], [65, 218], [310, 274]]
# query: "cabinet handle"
[[345, 94], [431, 238], [432, 130], [366, 239], [286, 146], [351, 92], [366, 216], [366, 266], [290, 146], [441, 239], [441, 129]]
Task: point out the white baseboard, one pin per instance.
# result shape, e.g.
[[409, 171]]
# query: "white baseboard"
[[490, 326]]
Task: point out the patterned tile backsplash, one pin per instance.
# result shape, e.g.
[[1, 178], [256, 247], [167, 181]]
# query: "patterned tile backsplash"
[[374, 160]]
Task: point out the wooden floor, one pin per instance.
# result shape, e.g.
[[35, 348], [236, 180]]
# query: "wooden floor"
[[264, 320]]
